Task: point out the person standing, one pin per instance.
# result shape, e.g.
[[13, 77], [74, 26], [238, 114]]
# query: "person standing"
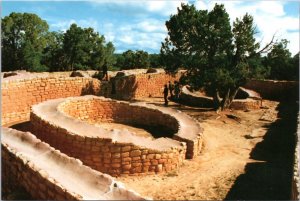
[[171, 88], [166, 94], [104, 71], [176, 90]]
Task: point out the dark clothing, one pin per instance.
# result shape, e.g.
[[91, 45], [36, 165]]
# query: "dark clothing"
[[104, 71], [166, 95], [176, 90], [171, 88]]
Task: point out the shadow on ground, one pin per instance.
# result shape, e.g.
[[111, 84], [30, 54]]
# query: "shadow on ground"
[[270, 179]]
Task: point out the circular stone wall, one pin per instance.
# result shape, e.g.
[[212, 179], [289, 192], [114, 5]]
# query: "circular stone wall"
[[68, 125], [96, 111]]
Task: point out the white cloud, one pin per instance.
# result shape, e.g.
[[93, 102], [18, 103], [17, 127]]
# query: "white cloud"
[[63, 25], [146, 34], [152, 25], [269, 16], [164, 8]]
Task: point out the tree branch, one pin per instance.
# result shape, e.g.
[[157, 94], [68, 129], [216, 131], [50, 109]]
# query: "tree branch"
[[268, 47]]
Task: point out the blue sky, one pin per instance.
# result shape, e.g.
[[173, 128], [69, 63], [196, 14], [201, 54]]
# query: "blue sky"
[[140, 24]]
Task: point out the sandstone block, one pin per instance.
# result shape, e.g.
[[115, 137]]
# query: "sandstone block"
[[154, 162], [116, 155], [125, 154], [126, 159], [159, 168], [116, 160], [136, 158], [126, 167], [150, 156], [136, 164], [161, 161], [115, 165], [106, 155], [115, 149], [135, 153]]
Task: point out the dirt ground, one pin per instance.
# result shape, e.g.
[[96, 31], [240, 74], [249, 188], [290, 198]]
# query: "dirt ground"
[[249, 157], [228, 145]]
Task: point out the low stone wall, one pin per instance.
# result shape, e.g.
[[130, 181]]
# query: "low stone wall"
[[295, 194], [96, 111], [18, 95], [134, 86], [47, 174], [199, 100], [247, 104], [116, 152], [192, 99], [275, 90], [104, 110]]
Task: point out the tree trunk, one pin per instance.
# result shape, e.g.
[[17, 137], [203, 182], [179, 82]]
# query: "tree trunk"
[[227, 100], [217, 100]]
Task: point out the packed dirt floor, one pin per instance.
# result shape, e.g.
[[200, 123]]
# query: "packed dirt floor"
[[249, 156]]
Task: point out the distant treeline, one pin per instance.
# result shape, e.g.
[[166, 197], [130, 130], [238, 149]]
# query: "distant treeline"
[[27, 44]]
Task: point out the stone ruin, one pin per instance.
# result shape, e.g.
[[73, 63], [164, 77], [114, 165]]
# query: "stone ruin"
[[245, 99], [66, 112]]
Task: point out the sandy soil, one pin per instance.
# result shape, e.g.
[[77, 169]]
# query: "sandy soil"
[[137, 131], [227, 147]]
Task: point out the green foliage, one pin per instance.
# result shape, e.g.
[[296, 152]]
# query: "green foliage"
[[28, 45], [216, 56], [23, 40], [53, 54], [155, 61], [282, 66], [133, 59], [84, 48]]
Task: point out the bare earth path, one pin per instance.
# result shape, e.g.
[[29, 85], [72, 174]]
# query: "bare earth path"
[[227, 148]]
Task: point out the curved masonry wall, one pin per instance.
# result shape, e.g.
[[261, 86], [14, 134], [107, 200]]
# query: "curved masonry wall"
[[100, 110], [46, 173], [106, 110], [18, 95], [115, 152], [205, 101], [275, 90]]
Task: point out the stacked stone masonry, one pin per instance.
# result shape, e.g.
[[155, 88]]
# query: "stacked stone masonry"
[[47, 174], [275, 90], [115, 152], [19, 95], [143, 85], [202, 100], [97, 110]]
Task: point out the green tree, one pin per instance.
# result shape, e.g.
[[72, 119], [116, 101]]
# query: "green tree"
[[110, 59], [53, 54], [133, 59], [216, 56], [85, 48], [154, 60], [282, 65], [23, 40], [141, 59]]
